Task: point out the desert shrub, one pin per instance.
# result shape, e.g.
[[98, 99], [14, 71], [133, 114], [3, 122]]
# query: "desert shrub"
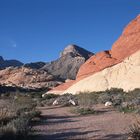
[[87, 98], [15, 129], [36, 94], [130, 101], [47, 102], [33, 114], [90, 98], [65, 98], [103, 98], [7, 112], [48, 99], [135, 131], [83, 110], [114, 95], [61, 99], [127, 109], [113, 91], [50, 96], [16, 114]]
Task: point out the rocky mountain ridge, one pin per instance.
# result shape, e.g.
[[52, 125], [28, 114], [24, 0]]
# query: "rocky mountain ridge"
[[27, 78], [8, 63], [45, 75]]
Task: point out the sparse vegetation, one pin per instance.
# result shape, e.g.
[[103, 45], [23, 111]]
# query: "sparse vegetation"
[[16, 114], [126, 102], [18, 111], [84, 111], [135, 131]]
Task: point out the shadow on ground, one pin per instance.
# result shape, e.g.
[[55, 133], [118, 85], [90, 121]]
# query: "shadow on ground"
[[69, 133]]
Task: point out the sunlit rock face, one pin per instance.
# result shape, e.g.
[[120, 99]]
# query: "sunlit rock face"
[[127, 44], [111, 68], [67, 66], [125, 75], [27, 78]]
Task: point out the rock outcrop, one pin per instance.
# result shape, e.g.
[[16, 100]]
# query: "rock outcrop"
[[127, 44], [62, 87], [27, 78], [125, 75], [8, 63], [98, 67], [129, 41], [43, 75], [67, 66], [96, 63]]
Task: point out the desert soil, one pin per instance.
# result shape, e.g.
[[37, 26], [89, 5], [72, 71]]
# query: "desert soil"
[[58, 123]]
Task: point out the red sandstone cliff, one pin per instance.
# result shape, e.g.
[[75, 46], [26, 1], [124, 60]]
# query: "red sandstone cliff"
[[127, 44]]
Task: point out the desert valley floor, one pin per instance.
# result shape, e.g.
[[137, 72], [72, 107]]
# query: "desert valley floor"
[[58, 123]]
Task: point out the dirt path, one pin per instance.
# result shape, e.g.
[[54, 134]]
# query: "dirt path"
[[59, 124]]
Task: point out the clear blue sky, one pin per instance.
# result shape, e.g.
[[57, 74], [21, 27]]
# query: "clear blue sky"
[[37, 30]]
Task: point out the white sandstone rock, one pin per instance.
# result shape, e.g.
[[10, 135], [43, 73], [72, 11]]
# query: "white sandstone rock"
[[108, 104]]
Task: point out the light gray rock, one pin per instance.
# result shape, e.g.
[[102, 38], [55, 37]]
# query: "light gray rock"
[[67, 66], [108, 104], [55, 102]]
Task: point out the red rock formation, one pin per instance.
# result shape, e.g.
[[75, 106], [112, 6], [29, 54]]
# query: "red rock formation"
[[129, 41], [96, 63], [59, 89], [127, 44]]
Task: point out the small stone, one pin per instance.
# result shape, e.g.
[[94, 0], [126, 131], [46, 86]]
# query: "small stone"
[[72, 102], [108, 104], [55, 102]]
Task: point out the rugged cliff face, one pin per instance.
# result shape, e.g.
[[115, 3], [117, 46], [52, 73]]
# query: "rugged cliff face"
[[96, 63], [67, 66], [125, 75], [108, 68], [129, 41], [127, 44]]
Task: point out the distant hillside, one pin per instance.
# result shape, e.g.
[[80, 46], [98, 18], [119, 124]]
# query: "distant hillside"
[[8, 63], [35, 65]]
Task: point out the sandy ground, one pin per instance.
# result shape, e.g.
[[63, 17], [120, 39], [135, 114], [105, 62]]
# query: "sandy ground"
[[58, 123]]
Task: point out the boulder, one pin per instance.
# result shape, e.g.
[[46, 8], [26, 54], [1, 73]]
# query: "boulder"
[[108, 104]]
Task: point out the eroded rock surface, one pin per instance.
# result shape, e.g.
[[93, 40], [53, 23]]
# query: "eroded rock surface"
[[27, 78], [67, 66]]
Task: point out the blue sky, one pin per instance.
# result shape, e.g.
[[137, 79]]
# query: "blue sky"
[[37, 30]]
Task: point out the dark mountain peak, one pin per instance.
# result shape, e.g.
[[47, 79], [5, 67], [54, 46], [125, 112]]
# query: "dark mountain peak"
[[1, 59], [9, 63], [35, 65], [75, 50]]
